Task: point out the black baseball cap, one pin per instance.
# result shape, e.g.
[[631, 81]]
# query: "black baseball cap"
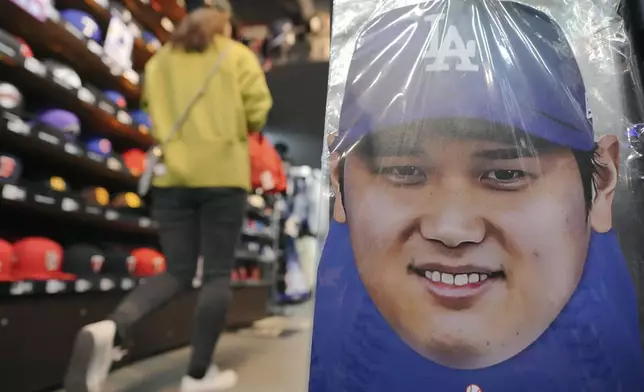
[[83, 260]]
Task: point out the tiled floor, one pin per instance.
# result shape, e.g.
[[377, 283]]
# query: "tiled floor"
[[264, 364]]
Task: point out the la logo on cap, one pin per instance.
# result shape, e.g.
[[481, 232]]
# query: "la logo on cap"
[[452, 47], [52, 260], [97, 263]]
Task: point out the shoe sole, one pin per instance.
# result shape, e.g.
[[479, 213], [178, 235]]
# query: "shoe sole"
[[87, 360]]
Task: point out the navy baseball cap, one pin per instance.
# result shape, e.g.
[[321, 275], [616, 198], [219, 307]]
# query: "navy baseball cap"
[[84, 23], [116, 98], [502, 62]]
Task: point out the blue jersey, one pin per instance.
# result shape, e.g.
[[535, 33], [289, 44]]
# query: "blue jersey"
[[593, 345]]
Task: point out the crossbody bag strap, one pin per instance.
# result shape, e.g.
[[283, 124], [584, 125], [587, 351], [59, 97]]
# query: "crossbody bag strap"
[[184, 115]]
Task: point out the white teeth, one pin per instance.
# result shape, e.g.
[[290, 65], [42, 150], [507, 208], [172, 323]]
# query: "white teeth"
[[460, 280], [456, 280], [447, 278]]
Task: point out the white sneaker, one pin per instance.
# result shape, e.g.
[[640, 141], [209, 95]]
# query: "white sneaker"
[[92, 358], [214, 380]]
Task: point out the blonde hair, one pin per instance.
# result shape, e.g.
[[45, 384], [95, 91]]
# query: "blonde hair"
[[197, 30]]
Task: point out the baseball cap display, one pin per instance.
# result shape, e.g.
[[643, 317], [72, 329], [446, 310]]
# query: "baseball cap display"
[[83, 260], [10, 169], [116, 98], [62, 120], [39, 258], [117, 261], [7, 259], [134, 159], [151, 41], [148, 262], [10, 97], [96, 196], [126, 200], [447, 140], [84, 23], [100, 146], [25, 49], [63, 74], [142, 119]]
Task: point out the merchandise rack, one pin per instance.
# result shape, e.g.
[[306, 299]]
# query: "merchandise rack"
[[64, 306]]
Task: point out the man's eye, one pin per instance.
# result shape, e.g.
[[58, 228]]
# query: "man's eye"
[[404, 175], [505, 177]]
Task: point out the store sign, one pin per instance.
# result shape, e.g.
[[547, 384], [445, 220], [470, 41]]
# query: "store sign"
[[36, 8], [119, 43]]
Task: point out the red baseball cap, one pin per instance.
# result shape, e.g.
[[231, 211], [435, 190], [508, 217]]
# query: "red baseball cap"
[[146, 262], [39, 258], [7, 259], [135, 161], [25, 49]]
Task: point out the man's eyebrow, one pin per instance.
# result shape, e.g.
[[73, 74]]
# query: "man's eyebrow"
[[508, 153]]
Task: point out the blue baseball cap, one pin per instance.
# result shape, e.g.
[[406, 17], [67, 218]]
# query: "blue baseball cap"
[[151, 41], [84, 23], [62, 120], [116, 98], [502, 62], [100, 146]]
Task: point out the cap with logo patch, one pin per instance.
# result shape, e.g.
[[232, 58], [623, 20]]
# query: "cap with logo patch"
[[84, 23], [83, 260], [39, 258], [503, 62], [135, 161], [149, 262], [100, 146], [63, 74], [7, 259], [10, 169], [116, 98], [10, 97], [63, 120]]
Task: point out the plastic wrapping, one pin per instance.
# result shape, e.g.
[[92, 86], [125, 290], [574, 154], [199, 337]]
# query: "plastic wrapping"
[[477, 150]]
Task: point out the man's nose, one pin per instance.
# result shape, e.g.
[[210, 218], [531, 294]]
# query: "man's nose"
[[454, 221]]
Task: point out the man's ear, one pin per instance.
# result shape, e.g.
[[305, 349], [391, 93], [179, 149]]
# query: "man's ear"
[[338, 209], [606, 178]]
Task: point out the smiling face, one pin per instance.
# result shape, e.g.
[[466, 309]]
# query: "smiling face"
[[469, 248]]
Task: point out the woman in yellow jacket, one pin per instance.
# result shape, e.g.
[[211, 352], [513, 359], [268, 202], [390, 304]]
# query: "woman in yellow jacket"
[[198, 195]]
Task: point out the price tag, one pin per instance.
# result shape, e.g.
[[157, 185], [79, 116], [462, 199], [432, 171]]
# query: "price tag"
[[21, 288], [55, 286], [86, 96], [106, 107], [45, 137], [114, 164], [16, 125], [107, 284], [124, 117], [73, 149], [119, 43], [95, 48], [70, 205], [36, 67], [42, 199], [36, 8], [12, 192], [111, 215], [145, 222], [127, 284], [82, 285]]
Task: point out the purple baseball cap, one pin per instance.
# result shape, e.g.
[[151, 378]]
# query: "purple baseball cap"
[[502, 62], [62, 120]]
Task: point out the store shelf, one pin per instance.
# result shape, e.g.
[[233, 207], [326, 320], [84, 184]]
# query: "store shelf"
[[83, 285], [53, 37], [18, 137], [173, 10], [68, 208], [148, 18], [140, 55], [91, 107]]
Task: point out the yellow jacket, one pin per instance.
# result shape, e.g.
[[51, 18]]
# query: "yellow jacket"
[[211, 149]]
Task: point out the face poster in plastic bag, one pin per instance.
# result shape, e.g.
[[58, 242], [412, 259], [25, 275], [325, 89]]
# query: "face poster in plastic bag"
[[472, 246]]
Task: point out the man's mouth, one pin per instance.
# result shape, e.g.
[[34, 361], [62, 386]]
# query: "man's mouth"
[[456, 287], [455, 279]]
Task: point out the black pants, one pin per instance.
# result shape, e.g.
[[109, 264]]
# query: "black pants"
[[192, 222]]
